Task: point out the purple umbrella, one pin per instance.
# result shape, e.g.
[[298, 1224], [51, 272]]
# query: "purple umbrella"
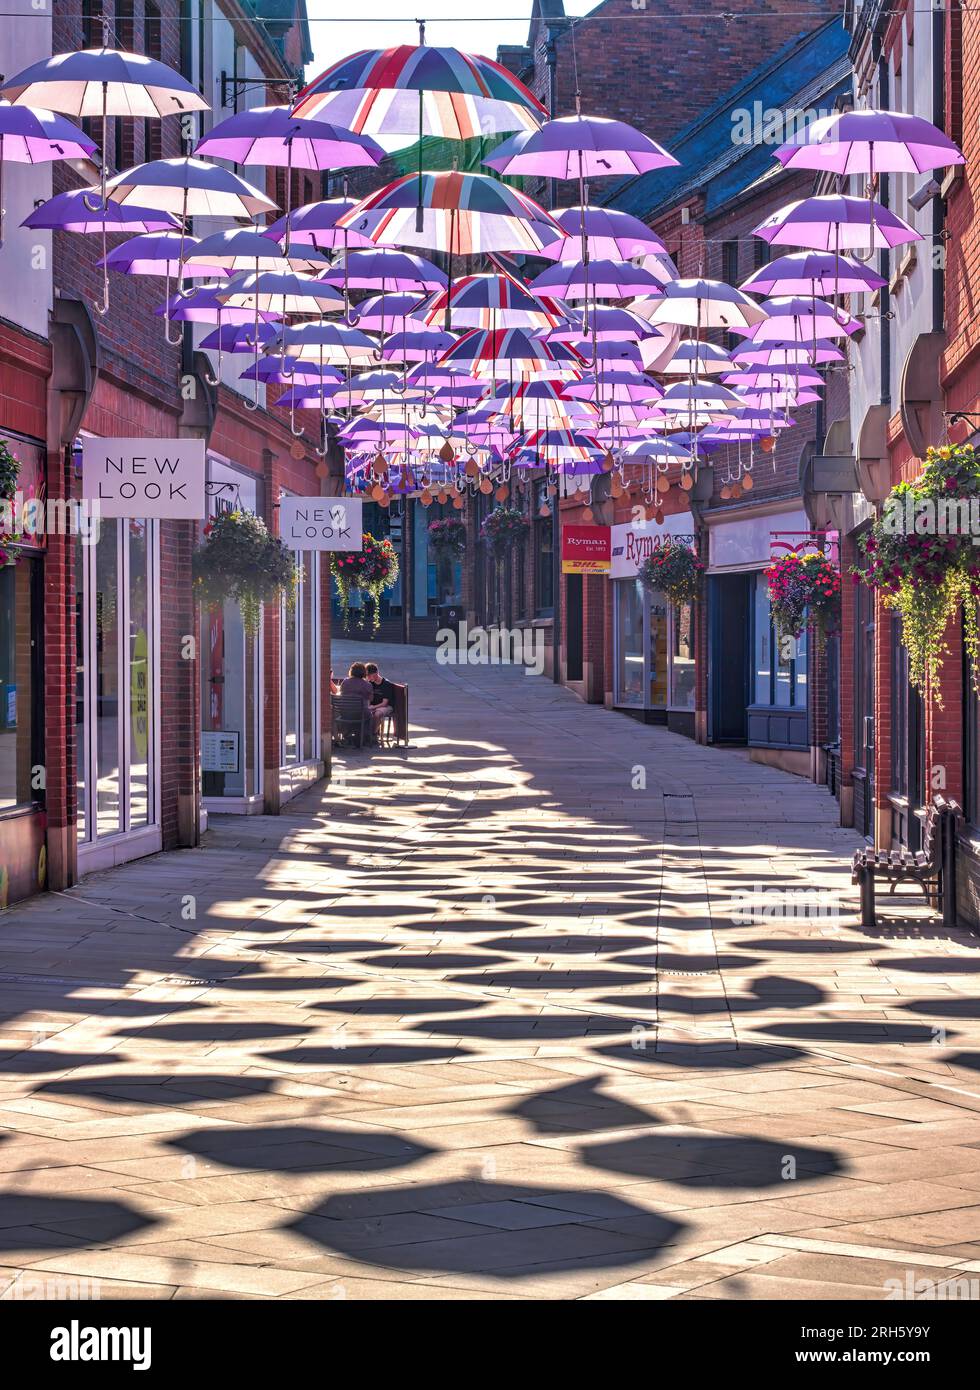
[[271, 368], [315, 224], [786, 380], [836, 222], [79, 210], [702, 304], [697, 358], [869, 142], [243, 248], [797, 317], [239, 337], [580, 147], [611, 234], [785, 354], [202, 305], [813, 272], [33, 136], [601, 279], [156, 253], [388, 313], [380, 268], [607, 323], [418, 345]]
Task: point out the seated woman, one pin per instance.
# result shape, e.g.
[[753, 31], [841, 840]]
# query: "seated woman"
[[357, 683]]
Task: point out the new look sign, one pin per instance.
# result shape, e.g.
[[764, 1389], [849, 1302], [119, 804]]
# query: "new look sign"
[[160, 478], [320, 523]]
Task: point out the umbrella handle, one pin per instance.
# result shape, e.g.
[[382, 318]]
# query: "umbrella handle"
[[103, 308]]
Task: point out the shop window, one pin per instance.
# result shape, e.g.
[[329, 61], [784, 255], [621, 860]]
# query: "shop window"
[[682, 683], [780, 665], [300, 654], [629, 643], [544, 552], [20, 685]]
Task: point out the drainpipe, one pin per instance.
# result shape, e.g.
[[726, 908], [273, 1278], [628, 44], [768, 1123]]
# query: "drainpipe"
[[938, 204], [551, 56]]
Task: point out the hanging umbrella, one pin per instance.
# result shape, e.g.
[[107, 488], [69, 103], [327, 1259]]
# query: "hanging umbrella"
[[244, 248], [603, 279], [573, 147], [608, 387], [79, 210], [611, 235], [282, 294], [785, 354], [158, 253], [497, 300], [104, 82], [813, 272], [786, 380], [780, 400], [421, 91], [703, 304], [329, 343], [869, 142], [315, 224], [487, 353], [188, 187], [607, 323], [697, 358], [389, 313], [836, 222], [384, 269], [799, 317], [239, 337], [417, 345], [203, 305], [270, 369], [30, 135]]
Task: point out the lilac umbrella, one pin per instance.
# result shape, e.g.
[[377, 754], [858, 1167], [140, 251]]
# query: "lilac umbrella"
[[702, 304], [786, 380], [697, 358], [600, 279], [381, 268], [418, 345], [243, 248], [388, 313], [239, 337], [869, 142], [580, 147], [813, 272], [271, 369], [780, 400], [155, 253], [794, 316], [79, 210], [610, 234], [202, 305], [784, 354], [607, 323], [835, 222], [315, 224], [33, 136]]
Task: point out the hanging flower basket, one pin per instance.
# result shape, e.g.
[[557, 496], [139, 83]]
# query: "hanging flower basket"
[[804, 589], [240, 560], [921, 558], [448, 536], [503, 528], [9, 536], [674, 571], [372, 569]]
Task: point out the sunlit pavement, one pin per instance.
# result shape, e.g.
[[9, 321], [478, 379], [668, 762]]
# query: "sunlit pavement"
[[482, 1020]]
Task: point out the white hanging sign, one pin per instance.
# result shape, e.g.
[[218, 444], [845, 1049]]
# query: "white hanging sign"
[[321, 523], [161, 478]]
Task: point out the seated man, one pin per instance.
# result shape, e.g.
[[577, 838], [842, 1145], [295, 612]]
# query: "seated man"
[[383, 695]]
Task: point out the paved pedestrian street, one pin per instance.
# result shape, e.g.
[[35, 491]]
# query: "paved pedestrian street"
[[526, 1010]]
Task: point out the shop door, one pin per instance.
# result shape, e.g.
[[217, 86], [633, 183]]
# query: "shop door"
[[907, 751], [864, 704], [573, 632], [728, 596]]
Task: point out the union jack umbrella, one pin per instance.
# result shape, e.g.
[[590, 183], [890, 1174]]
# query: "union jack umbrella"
[[484, 353]]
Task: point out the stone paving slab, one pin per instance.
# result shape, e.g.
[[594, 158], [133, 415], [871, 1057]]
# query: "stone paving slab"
[[485, 1019]]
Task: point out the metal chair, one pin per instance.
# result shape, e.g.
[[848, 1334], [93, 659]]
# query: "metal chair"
[[351, 721]]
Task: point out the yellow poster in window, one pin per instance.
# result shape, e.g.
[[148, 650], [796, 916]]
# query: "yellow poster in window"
[[139, 698]]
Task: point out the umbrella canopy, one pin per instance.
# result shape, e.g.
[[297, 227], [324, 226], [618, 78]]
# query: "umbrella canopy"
[[315, 224], [601, 279], [486, 353], [798, 316], [203, 305], [326, 342], [188, 187], [71, 212], [655, 449], [700, 398], [274, 292], [604, 323], [389, 313], [464, 214], [703, 304], [785, 354], [787, 380], [273, 135], [243, 248], [610, 235], [780, 400], [577, 147], [697, 359], [381, 268], [158, 253], [417, 345], [104, 82], [493, 301], [869, 142], [29, 135], [421, 91], [239, 337], [620, 387], [836, 222], [271, 368], [813, 272]]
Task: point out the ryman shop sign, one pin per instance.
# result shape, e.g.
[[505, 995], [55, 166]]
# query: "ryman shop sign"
[[632, 543], [320, 523], [158, 478]]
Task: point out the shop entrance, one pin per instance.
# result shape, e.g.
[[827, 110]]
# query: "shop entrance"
[[729, 598]]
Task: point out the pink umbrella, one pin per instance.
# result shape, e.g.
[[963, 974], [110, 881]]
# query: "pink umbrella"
[[315, 224], [610, 234], [34, 136], [836, 222], [157, 253], [869, 142], [784, 354], [580, 147], [599, 279], [794, 316], [813, 272]]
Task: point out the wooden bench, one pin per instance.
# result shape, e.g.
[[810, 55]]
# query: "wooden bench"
[[931, 868]]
